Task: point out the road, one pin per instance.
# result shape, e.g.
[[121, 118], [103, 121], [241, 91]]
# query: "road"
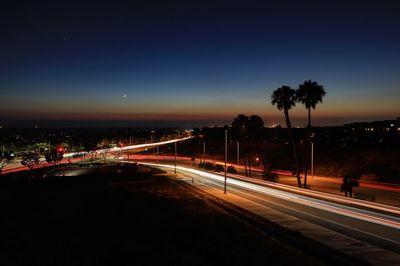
[[371, 191], [376, 228], [15, 165]]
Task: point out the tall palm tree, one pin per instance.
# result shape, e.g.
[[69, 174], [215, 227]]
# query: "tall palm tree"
[[285, 98], [310, 93]]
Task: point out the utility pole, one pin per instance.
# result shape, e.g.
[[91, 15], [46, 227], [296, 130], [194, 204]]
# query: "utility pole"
[[175, 157], [312, 159], [158, 159], [226, 156], [204, 152], [238, 152], [309, 140]]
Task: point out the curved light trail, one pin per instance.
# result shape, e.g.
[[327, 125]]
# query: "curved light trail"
[[324, 203], [141, 146]]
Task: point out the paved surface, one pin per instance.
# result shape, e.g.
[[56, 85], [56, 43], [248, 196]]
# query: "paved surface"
[[371, 191], [370, 236]]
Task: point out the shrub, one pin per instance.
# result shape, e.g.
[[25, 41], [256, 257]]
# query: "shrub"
[[231, 170], [218, 168], [208, 166], [201, 165], [269, 176]]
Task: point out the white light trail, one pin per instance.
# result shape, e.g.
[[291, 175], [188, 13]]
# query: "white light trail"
[[140, 146], [348, 211]]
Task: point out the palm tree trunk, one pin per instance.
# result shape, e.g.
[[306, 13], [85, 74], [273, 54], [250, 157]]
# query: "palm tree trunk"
[[309, 117], [289, 126]]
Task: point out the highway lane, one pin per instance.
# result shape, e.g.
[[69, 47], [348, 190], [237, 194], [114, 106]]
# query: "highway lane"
[[15, 165], [375, 228], [141, 146], [387, 194]]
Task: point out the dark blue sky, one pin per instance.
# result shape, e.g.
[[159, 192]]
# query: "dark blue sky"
[[196, 62]]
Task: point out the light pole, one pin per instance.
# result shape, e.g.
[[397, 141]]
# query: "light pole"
[[312, 159], [309, 140], [226, 156], [204, 152], [175, 158], [158, 159], [237, 155]]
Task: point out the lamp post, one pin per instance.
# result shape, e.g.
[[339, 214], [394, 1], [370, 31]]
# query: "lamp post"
[[238, 152], [204, 152], [226, 156], [312, 159], [309, 140], [158, 158], [175, 158]]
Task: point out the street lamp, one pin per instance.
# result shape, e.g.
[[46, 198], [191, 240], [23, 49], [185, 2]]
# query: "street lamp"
[[158, 159], [226, 156], [204, 152], [237, 150], [312, 159], [175, 158], [312, 147]]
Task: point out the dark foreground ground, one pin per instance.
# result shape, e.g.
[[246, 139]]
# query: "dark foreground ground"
[[125, 217]]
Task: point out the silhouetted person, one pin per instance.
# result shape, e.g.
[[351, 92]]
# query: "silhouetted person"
[[347, 185]]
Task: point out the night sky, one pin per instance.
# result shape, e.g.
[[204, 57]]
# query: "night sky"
[[195, 63]]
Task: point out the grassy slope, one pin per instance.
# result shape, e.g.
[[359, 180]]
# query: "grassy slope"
[[131, 219]]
